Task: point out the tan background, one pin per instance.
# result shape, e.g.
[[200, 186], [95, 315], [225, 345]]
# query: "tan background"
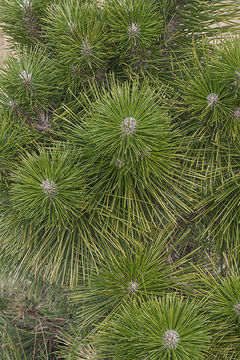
[[3, 47]]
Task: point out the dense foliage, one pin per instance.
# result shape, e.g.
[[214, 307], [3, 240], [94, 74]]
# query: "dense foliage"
[[119, 163]]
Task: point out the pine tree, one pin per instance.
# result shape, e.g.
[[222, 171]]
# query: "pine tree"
[[119, 152]]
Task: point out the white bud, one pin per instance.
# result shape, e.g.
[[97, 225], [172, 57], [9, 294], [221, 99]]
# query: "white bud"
[[11, 103], [133, 30], [26, 77], [86, 48], [129, 126], [237, 308], [212, 100], [236, 113], [171, 339], [49, 187], [133, 287]]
